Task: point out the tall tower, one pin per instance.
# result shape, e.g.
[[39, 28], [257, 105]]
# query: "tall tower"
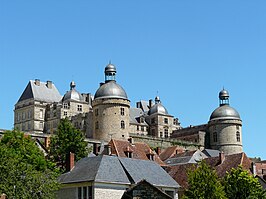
[[110, 109], [225, 127]]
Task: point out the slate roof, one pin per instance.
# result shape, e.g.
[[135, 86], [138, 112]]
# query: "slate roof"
[[97, 169], [148, 170], [211, 152], [139, 150], [40, 93], [117, 170], [134, 114]]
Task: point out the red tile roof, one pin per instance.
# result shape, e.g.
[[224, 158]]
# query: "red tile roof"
[[179, 172], [139, 150], [170, 151]]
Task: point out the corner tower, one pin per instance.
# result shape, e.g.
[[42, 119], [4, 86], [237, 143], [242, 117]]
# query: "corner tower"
[[110, 109], [225, 127]]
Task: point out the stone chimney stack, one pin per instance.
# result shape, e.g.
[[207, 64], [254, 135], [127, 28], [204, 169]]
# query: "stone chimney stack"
[[70, 161], [254, 169], [158, 150], [150, 103], [49, 84], [221, 157], [37, 82]]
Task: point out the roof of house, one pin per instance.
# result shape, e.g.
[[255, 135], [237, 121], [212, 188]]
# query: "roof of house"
[[112, 169], [261, 181], [139, 150], [97, 169], [179, 172], [169, 152], [134, 114], [129, 192], [40, 92], [211, 152]]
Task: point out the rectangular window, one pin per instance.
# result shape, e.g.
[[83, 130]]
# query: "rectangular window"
[[122, 111], [65, 113], [85, 192], [66, 106], [215, 138], [137, 128], [41, 113], [166, 133], [96, 112], [142, 128], [166, 120], [79, 107], [263, 171], [29, 125], [161, 134], [29, 114]]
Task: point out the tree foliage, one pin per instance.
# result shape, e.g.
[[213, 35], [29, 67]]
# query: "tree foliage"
[[25, 173], [203, 184], [239, 184], [67, 139]]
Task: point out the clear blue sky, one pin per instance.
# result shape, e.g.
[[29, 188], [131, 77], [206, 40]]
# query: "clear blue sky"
[[184, 50]]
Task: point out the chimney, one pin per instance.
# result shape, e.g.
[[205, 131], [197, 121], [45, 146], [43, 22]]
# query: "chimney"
[[254, 169], [37, 82], [158, 150], [96, 148], [131, 140], [138, 105], [70, 161], [221, 157], [49, 84], [107, 149], [150, 103]]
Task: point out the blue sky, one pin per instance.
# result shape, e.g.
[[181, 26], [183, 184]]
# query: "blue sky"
[[185, 51]]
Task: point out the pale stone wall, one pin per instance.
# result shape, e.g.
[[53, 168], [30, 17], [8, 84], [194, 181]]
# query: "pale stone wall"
[[107, 119], [226, 135], [101, 193], [138, 129]]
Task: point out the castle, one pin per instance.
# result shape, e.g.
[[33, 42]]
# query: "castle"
[[107, 114]]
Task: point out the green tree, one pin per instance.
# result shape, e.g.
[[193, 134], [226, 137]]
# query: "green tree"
[[239, 184], [67, 139], [24, 171], [203, 184]]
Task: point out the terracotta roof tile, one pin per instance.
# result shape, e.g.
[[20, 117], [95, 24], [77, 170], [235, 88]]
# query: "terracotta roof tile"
[[170, 151], [139, 150]]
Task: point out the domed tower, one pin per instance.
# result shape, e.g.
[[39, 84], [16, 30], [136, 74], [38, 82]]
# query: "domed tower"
[[110, 109], [225, 127], [161, 123]]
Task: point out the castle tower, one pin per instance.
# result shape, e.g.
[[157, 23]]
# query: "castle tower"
[[225, 127], [110, 109]]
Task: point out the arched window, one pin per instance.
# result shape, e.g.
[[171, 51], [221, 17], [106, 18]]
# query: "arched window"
[[237, 136], [215, 138], [122, 124]]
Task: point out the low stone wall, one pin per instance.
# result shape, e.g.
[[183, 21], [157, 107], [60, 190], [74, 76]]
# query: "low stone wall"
[[163, 143]]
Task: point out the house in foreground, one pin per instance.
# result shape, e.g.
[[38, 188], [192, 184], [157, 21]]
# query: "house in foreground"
[[110, 177]]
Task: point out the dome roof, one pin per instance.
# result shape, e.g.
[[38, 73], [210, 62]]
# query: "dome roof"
[[110, 90], [158, 108], [110, 68], [73, 94], [224, 94], [225, 112]]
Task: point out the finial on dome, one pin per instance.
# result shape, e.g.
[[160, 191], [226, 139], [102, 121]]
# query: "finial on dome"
[[157, 100]]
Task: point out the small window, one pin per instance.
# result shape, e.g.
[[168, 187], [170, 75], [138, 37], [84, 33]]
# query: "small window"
[[65, 113], [96, 112], [166, 133], [41, 113], [237, 136], [97, 125], [161, 134], [263, 171], [237, 127], [122, 124], [122, 111], [79, 107], [166, 120], [66, 106], [29, 114], [137, 128], [142, 128], [215, 138], [85, 192]]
